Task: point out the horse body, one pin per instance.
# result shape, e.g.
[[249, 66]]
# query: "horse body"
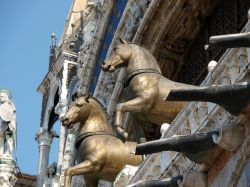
[[101, 155], [110, 153], [151, 95], [147, 88]]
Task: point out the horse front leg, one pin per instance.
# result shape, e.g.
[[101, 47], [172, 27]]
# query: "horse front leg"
[[86, 167], [134, 105], [67, 178]]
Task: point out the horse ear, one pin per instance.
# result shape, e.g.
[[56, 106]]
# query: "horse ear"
[[74, 96], [123, 41], [87, 98]]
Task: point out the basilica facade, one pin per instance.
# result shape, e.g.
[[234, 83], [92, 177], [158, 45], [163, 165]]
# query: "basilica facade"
[[175, 32]]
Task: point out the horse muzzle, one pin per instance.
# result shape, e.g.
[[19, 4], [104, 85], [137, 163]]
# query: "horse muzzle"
[[65, 121], [105, 66]]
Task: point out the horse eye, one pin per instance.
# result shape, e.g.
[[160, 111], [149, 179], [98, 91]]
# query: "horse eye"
[[115, 48], [79, 104]]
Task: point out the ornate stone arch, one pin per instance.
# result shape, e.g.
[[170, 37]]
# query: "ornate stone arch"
[[171, 29], [53, 92]]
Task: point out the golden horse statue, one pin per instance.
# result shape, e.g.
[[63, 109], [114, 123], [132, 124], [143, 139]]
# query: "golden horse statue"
[[101, 155], [150, 94]]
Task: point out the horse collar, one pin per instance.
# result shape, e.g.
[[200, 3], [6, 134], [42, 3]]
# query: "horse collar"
[[85, 135], [134, 73]]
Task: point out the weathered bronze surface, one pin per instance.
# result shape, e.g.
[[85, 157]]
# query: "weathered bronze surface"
[[186, 144], [168, 182], [232, 97], [147, 90], [230, 40], [100, 154], [201, 148]]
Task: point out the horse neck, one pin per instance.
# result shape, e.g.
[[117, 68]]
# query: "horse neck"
[[141, 59], [96, 121]]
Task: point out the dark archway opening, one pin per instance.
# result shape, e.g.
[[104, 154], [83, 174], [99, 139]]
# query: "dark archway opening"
[[53, 116]]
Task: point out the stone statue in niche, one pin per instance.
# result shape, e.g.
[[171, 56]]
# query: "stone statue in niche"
[[7, 124], [146, 89]]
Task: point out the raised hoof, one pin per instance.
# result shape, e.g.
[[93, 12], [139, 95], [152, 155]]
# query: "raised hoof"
[[123, 136], [121, 133]]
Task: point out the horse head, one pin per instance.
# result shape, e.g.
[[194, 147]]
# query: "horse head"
[[118, 58], [77, 112]]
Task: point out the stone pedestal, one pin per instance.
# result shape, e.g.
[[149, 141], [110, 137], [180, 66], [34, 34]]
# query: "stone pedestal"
[[8, 171]]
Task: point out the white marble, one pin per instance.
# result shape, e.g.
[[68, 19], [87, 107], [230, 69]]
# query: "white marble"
[[8, 172], [124, 175], [44, 139]]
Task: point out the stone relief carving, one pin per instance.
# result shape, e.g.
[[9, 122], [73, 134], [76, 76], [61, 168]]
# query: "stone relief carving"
[[51, 170], [8, 175], [90, 18], [136, 13], [106, 90]]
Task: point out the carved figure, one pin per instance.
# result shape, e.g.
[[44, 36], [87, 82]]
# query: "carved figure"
[[101, 155], [90, 15], [51, 170], [7, 123], [147, 89]]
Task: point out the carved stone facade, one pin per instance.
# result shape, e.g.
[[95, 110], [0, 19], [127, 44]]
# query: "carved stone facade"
[[170, 30], [224, 168], [72, 63]]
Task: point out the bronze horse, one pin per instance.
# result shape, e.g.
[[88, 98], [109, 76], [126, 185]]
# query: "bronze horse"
[[101, 155], [147, 89]]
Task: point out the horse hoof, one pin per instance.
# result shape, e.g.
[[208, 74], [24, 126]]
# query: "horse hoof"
[[123, 136]]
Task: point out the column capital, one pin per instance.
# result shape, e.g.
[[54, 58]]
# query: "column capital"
[[44, 137]]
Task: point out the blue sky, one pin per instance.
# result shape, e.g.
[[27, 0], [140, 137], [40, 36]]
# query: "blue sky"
[[25, 28]]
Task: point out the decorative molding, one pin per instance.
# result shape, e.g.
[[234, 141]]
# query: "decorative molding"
[[94, 26]]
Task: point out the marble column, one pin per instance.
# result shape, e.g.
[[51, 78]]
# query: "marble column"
[[61, 110], [44, 139]]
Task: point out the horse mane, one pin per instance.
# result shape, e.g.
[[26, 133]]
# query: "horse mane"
[[102, 108], [146, 52]]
